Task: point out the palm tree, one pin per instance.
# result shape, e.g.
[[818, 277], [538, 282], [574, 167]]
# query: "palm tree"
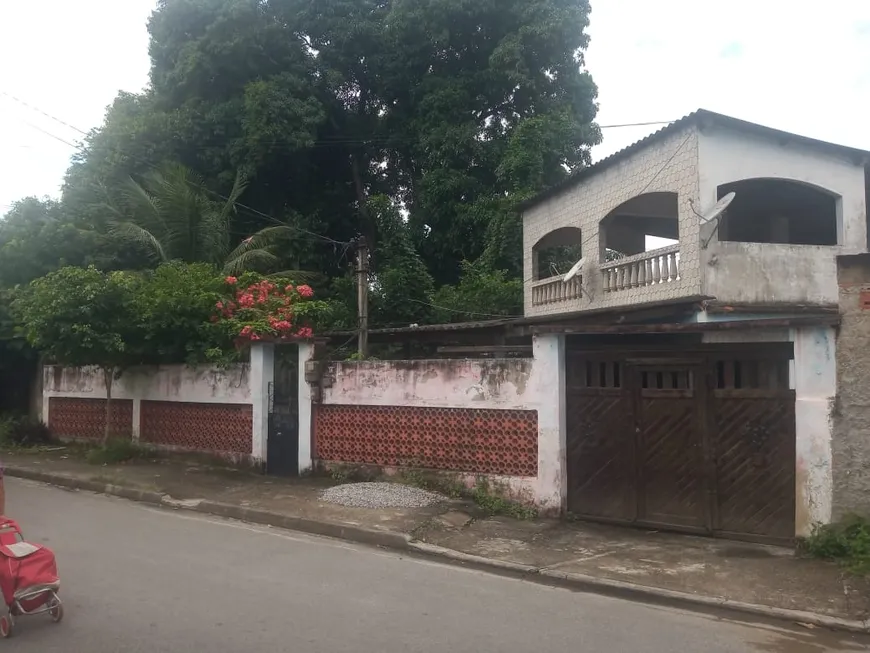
[[172, 215]]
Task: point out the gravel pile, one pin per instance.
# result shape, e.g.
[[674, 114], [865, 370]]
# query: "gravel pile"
[[380, 495]]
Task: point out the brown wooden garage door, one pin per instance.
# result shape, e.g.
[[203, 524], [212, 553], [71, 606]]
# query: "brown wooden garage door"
[[699, 441]]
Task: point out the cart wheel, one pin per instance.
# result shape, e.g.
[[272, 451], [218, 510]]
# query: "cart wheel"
[[6, 626], [56, 612]]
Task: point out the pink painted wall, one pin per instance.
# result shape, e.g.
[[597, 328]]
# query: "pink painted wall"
[[503, 383]]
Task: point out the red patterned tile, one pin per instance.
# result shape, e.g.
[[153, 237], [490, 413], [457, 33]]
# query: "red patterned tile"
[[71, 417], [223, 428], [457, 439]]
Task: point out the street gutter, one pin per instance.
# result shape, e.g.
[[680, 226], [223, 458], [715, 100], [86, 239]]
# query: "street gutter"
[[405, 543]]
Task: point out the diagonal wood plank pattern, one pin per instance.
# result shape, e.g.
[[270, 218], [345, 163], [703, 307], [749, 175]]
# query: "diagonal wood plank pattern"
[[703, 442], [599, 453], [755, 465], [672, 467]]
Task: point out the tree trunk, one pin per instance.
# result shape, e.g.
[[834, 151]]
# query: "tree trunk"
[[109, 376]]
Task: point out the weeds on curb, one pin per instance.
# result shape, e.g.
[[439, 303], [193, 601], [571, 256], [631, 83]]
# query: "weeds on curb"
[[118, 450], [488, 496], [342, 474], [846, 542]]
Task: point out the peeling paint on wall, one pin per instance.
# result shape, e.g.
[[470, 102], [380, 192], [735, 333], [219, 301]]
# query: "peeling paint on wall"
[[164, 383], [519, 384], [815, 390], [444, 383]]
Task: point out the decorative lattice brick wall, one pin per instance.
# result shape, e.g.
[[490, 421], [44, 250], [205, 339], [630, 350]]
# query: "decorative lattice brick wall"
[[224, 428], [503, 442], [86, 418]]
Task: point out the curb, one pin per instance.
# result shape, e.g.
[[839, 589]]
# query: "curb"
[[643, 594], [404, 542], [358, 534]]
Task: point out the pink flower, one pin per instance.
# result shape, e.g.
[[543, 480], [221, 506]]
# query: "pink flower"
[[255, 337], [219, 306], [305, 332], [305, 291], [289, 288], [231, 280], [246, 331]]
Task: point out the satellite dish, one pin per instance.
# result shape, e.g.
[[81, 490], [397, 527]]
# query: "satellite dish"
[[573, 271], [717, 209]]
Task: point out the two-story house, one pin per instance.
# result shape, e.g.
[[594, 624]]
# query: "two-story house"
[[698, 352]]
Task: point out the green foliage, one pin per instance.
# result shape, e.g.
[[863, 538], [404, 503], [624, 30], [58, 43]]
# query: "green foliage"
[[452, 110], [847, 542], [490, 497], [401, 285], [172, 215], [23, 432], [173, 307], [479, 288], [274, 131], [82, 316], [118, 450], [36, 238], [177, 313]]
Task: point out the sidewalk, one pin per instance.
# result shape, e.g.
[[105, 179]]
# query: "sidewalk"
[[689, 572]]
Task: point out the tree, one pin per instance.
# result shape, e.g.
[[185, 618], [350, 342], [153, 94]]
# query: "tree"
[[401, 286], [82, 316], [482, 293], [453, 110], [36, 238], [173, 305], [171, 215]]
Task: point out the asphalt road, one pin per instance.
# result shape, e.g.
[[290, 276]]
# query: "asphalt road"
[[142, 579]]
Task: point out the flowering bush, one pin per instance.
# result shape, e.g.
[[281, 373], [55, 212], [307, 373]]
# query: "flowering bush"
[[256, 308]]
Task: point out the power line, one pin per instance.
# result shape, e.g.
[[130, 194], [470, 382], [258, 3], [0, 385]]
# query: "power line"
[[146, 163], [48, 133], [459, 310], [40, 111], [637, 124], [324, 142]]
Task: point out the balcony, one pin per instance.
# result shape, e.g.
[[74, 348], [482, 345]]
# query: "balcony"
[[555, 291], [649, 276], [776, 244], [647, 269]]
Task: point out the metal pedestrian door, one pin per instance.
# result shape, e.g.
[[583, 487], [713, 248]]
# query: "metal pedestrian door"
[[282, 451]]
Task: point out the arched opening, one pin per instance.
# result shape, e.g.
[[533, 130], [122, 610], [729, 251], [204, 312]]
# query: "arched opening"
[[779, 211], [554, 254], [642, 224]]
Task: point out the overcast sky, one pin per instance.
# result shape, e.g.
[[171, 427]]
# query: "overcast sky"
[[798, 65]]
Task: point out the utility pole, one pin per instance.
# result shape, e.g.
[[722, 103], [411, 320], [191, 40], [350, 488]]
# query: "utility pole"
[[362, 281]]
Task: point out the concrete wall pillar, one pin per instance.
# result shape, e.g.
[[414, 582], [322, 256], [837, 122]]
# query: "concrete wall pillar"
[[262, 376], [815, 385], [549, 376], [306, 432], [137, 419]]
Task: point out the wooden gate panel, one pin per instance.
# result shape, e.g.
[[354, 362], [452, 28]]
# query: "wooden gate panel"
[[672, 490], [755, 465], [600, 456]]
